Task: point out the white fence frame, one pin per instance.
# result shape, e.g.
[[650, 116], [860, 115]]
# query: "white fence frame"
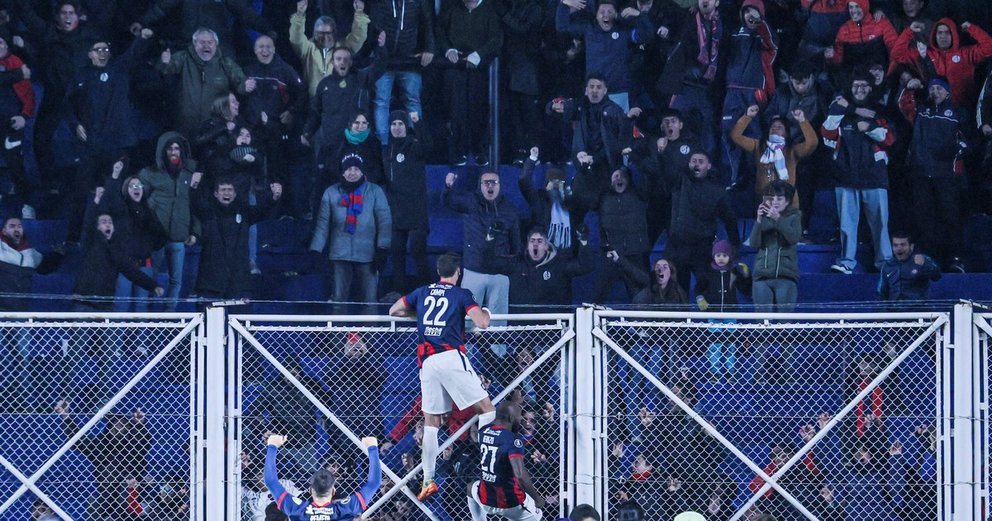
[[939, 326], [963, 359], [186, 324], [241, 327]]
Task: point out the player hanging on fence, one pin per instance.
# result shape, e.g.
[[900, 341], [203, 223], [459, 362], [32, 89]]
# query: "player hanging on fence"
[[505, 488], [321, 505], [446, 375]]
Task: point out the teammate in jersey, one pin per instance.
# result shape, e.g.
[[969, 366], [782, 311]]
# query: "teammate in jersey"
[[446, 375], [505, 488], [321, 505]]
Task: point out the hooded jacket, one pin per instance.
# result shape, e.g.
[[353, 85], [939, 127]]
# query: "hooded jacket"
[[167, 193], [140, 231], [498, 218], [16, 99], [957, 63], [864, 42], [776, 242], [751, 53], [409, 26]]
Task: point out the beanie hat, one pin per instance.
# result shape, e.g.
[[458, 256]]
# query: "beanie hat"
[[941, 82], [351, 160], [399, 115], [724, 247]]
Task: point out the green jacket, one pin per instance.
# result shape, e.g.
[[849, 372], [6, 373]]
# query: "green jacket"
[[776, 242], [168, 195], [200, 83]]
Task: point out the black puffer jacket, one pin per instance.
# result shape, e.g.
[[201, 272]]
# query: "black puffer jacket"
[[135, 224], [406, 182], [409, 26], [623, 221]]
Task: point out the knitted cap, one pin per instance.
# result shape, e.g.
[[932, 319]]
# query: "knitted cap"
[[399, 115], [941, 82], [724, 247], [351, 160]]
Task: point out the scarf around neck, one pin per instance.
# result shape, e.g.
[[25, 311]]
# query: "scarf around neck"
[[774, 154], [356, 138], [352, 201], [709, 42]]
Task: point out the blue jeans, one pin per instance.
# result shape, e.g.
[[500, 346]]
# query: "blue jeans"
[[175, 253], [410, 83], [129, 296], [722, 354], [875, 202]]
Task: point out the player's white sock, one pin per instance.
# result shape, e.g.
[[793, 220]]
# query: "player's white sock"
[[478, 514], [486, 418], [430, 452]]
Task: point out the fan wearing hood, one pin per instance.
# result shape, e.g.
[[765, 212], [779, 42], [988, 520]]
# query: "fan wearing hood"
[[862, 39], [16, 107], [945, 56]]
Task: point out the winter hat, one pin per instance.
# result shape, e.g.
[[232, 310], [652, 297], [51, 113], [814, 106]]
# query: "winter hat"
[[724, 247], [351, 160], [939, 81], [399, 115]]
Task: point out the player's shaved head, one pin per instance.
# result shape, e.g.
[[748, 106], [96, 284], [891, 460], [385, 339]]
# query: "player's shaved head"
[[448, 264], [322, 483], [508, 411]]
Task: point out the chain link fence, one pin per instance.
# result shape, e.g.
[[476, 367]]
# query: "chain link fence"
[[741, 417], [328, 383], [96, 416], [983, 340]]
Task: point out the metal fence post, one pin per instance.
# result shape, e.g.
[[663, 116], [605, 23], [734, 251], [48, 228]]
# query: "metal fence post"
[[960, 434], [588, 478], [215, 455], [494, 112]]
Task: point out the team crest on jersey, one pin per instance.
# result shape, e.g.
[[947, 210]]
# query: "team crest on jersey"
[[547, 275], [400, 158], [684, 149], [956, 58], [104, 77], [615, 35], [343, 84], [237, 218], [948, 113], [518, 443]]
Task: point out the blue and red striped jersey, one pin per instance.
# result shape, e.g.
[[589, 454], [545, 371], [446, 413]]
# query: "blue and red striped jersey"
[[499, 486], [441, 310]]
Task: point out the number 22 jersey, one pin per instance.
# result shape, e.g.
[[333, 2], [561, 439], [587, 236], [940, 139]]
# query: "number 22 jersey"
[[441, 310]]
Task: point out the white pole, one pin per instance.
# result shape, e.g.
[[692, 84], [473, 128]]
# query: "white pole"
[[214, 440], [586, 468], [965, 466]]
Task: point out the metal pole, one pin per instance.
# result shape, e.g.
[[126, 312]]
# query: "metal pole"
[[494, 115], [585, 464], [214, 440]]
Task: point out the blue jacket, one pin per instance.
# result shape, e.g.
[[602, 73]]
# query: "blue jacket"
[[937, 140], [480, 218], [906, 280], [607, 52], [861, 158]]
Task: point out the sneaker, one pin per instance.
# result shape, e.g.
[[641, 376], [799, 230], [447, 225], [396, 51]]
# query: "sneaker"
[[253, 267], [27, 212], [482, 159], [956, 266], [461, 160], [429, 489], [839, 268]]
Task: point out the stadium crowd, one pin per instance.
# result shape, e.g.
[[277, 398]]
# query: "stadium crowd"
[[152, 127]]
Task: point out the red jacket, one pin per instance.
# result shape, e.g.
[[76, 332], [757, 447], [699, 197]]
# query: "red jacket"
[[456, 419], [22, 89], [957, 63], [815, 6], [863, 32]]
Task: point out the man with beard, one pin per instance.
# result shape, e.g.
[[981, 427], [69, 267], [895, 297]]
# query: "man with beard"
[[543, 275], [859, 137], [224, 221], [623, 230], [168, 185], [102, 261], [602, 135], [355, 220], [99, 106], [204, 75], [317, 53], [698, 202], [118, 455]]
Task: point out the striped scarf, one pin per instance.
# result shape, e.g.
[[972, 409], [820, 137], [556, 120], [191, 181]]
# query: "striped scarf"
[[709, 42], [773, 155], [353, 202]]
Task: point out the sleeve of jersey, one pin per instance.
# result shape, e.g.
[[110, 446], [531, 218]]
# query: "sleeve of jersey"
[[363, 495], [411, 299], [517, 450], [469, 301], [284, 500]]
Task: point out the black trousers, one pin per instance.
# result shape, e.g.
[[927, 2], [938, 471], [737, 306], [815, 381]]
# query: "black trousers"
[[468, 109], [937, 202]]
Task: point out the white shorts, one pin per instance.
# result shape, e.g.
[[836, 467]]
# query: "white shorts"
[[525, 512], [448, 377]]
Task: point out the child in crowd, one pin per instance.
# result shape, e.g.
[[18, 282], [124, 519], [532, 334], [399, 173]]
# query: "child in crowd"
[[716, 291]]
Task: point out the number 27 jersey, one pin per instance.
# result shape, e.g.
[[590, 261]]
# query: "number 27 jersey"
[[441, 310]]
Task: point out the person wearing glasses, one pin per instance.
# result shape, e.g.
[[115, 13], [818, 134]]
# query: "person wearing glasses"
[[859, 136], [99, 113]]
